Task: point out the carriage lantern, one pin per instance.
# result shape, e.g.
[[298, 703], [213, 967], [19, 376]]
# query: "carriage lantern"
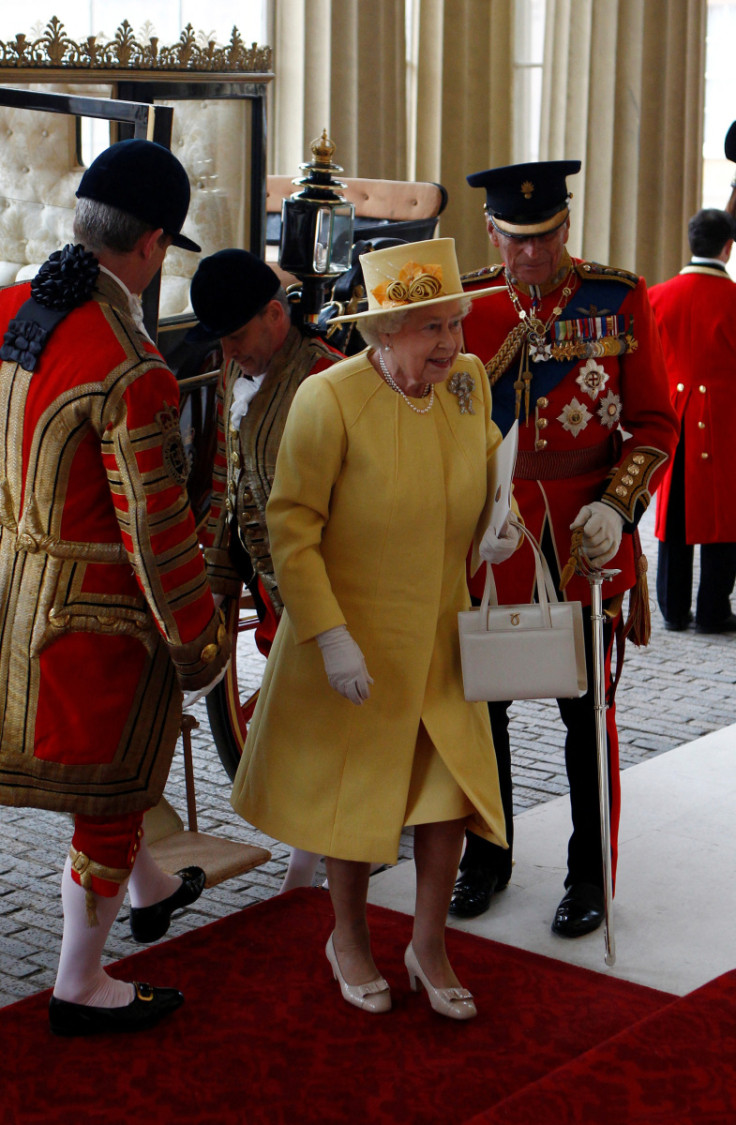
[[317, 229]]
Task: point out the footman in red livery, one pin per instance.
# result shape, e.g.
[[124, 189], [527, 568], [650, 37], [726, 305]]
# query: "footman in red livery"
[[696, 314], [106, 616]]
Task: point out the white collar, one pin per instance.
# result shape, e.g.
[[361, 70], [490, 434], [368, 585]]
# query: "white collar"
[[135, 304]]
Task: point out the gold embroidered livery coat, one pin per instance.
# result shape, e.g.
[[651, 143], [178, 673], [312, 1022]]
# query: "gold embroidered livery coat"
[[105, 611], [371, 515], [245, 461]]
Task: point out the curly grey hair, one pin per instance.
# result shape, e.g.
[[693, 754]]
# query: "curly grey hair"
[[392, 321]]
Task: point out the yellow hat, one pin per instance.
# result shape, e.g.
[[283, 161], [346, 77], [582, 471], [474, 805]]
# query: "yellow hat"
[[410, 275]]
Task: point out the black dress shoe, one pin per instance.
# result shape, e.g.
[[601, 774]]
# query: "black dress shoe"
[[147, 1007], [580, 912], [149, 923], [727, 625], [678, 625], [473, 892]]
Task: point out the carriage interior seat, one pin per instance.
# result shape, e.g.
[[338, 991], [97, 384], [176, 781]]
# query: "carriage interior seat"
[[40, 172], [41, 169]]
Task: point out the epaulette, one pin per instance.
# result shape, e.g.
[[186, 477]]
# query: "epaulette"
[[594, 271], [64, 282], [486, 273]]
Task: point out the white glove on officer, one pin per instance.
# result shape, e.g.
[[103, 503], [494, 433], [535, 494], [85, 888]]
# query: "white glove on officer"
[[497, 548], [344, 664], [602, 531], [192, 697]]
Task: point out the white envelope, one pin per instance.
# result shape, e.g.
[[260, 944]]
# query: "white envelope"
[[505, 463], [498, 505]]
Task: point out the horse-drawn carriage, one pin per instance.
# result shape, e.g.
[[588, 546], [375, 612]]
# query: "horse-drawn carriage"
[[61, 102]]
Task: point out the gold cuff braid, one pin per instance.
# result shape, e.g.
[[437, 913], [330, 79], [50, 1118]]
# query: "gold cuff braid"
[[628, 483], [86, 868]]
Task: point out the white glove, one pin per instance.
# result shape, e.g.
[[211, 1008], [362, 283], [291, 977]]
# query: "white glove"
[[344, 664], [602, 531], [497, 548], [192, 697]]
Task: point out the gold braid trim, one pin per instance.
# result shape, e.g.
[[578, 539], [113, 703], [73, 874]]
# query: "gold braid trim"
[[31, 538], [86, 868], [576, 544], [506, 353], [628, 483], [638, 625]]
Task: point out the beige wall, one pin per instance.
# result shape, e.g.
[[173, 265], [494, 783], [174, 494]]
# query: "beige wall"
[[623, 92]]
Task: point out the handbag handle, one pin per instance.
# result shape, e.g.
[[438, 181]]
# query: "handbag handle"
[[546, 592]]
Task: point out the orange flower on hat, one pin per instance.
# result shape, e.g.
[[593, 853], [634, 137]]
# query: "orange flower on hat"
[[416, 282]]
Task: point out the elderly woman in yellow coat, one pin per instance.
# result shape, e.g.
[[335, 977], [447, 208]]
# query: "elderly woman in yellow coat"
[[361, 728]]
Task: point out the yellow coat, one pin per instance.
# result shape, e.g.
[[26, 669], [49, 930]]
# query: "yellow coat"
[[372, 513]]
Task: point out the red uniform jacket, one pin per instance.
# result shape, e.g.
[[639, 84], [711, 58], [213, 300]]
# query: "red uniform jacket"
[[604, 373], [105, 610], [696, 314]]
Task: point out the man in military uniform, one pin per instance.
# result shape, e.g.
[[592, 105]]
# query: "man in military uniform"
[[572, 352], [696, 314], [106, 616], [239, 300]]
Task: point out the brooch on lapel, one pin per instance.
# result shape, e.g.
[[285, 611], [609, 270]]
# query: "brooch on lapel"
[[462, 384]]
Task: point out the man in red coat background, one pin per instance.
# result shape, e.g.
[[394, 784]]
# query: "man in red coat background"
[[696, 314], [572, 352], [106, 616]]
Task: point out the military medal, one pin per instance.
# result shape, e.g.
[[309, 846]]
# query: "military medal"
[[536, 346]]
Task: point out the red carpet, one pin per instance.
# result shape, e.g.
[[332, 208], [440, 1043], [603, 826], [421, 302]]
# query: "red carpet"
[[677, 1067], [265, 1039]]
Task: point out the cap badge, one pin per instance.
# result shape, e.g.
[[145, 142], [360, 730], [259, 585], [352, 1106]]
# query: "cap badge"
[[527, 189]]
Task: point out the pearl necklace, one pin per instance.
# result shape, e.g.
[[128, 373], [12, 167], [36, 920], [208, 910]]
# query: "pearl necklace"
[[395, 387]]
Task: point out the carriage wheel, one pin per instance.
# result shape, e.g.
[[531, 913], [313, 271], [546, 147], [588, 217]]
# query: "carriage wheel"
[[231, 703]]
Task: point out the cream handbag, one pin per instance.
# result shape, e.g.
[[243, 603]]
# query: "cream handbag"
[[534, 651]]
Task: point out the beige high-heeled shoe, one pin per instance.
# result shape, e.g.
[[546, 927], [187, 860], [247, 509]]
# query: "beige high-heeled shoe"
[[373, 996], [457, 1003]]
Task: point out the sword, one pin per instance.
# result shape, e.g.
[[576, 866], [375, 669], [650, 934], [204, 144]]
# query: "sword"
[[596, 578]]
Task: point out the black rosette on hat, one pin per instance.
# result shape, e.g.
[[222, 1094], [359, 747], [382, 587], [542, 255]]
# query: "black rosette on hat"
[[66, 280]]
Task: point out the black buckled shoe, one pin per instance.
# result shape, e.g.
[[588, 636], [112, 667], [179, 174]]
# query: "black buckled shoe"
[[473, 892], [580, 912], [149, 923], [147, 1007]]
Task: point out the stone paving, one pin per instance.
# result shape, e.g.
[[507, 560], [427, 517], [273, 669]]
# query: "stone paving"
[[677, 689]]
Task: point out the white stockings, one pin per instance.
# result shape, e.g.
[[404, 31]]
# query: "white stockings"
[[148, 883], [81, 978]]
